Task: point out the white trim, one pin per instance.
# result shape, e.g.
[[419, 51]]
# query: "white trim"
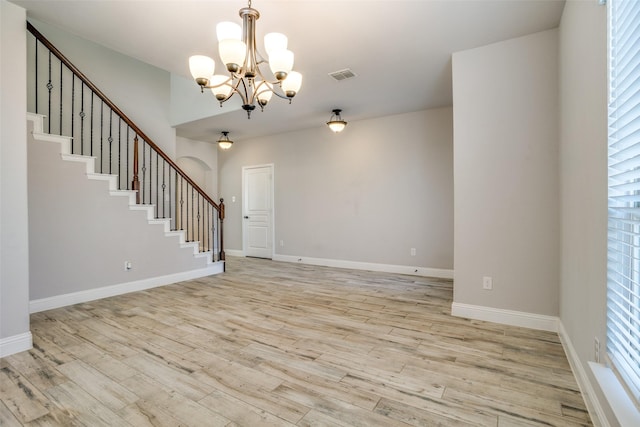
[[506, 317], [590, 398], [234, 252], [626, 413], [386, 268], [58, 301], [15, 344]]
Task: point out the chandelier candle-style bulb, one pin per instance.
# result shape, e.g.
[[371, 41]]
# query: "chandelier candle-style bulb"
[[232, 52], [275, 41], [220, 87], [264, 91], [281, 63], [201, 68], [228, 30], [291, 85], [239, 54]]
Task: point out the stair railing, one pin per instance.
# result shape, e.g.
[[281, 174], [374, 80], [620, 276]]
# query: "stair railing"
[[75, 107]]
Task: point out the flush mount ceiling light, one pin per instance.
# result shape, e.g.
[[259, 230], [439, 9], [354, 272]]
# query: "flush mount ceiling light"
[[224, 142], [238, 51], [335, 122]]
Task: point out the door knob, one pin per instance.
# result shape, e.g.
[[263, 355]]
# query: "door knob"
[[246, 217]]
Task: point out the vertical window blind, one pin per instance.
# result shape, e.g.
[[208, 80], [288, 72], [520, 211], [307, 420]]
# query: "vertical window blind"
[[623, 266]]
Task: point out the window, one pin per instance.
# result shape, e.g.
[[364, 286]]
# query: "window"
[[623, 270]]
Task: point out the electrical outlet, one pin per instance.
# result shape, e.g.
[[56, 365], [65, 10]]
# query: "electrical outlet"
[[487, 283], [596, 349], [281, 243], [413, 251]]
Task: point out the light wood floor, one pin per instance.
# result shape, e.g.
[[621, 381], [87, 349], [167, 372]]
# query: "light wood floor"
[[279, 344]]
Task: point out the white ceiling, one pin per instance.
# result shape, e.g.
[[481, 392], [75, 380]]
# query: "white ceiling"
[[399, 49]]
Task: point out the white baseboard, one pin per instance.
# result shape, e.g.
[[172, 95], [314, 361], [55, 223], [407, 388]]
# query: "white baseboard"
[[234, 252], [369, 266], [506, 317], [590, 399], [15, 344], [58, 301]]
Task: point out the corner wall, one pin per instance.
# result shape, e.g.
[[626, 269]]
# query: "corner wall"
[[366, 195], [506, 179], [14, 233], [583, 186]]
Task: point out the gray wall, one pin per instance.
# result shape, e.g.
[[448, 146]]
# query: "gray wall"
[[368, 194], [583, 176], [80, 236], [199, 160], [506, 174], [14, 249]]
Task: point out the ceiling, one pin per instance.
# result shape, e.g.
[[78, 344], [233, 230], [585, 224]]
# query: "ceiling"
[[400, 50]]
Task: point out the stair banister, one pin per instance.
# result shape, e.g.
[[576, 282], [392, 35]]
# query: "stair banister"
[[201, 199], [111, 105]]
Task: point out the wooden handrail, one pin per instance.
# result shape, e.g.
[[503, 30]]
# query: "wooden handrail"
[[124, 117]]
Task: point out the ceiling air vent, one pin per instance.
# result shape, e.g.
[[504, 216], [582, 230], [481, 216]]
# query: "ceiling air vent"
[[343, 74]]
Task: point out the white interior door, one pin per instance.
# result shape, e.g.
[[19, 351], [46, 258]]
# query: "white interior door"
[[257, 211]]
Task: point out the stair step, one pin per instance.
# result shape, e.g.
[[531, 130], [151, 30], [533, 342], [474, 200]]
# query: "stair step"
[[90, 161], [166, 222], [111, 179], [64, 141], [180, 234], [195, 245], [150, 209], [38, 122], [131, 194]]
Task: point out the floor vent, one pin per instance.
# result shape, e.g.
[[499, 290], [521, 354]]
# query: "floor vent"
[[343, 74]]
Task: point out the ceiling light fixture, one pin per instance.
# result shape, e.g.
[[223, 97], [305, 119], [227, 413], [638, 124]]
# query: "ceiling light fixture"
[[224, 142], [238, 51], [335, 122]]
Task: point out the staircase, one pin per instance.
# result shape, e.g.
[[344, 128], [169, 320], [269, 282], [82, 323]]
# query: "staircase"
[[84, 231], [127, 217]]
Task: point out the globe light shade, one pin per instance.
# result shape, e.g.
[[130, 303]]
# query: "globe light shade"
[[221, 89], [201, 68], [281, 63], [337, 125], [232, 53], [264, 92], [291, 85], [275, 41], [224, 142], [228, 31]]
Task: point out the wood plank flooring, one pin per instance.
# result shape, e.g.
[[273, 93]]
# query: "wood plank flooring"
[[280, 344]]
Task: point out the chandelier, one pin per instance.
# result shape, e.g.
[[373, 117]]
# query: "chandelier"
[[238, 52]]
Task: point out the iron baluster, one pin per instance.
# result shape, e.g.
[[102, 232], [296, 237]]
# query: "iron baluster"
[[110, 139], [91, 128], [49, 87], [35, 83], [60, 128]]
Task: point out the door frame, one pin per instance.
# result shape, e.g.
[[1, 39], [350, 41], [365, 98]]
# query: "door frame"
[[272, 216]]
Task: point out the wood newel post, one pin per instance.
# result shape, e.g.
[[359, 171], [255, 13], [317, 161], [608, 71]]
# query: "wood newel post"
[[135, 184], [221, 216]]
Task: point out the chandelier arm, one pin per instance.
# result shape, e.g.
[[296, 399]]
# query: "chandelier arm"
[[245, 95], [226, 82]]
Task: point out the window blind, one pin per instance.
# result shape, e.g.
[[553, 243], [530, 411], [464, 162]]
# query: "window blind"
[[623, 266]]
